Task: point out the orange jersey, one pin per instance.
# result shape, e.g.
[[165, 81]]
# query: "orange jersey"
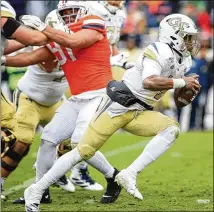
[[86, 69]]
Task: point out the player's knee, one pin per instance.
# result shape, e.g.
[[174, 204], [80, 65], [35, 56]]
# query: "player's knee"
[[13, 155], [173, 132], [86, 151], [50, 134]]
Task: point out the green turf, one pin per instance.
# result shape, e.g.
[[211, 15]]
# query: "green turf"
[[174, 182]]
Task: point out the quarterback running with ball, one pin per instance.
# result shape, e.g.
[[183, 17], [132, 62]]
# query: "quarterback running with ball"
[[160, 67]]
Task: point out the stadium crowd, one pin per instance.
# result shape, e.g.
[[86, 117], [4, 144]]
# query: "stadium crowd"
[[139, 29]]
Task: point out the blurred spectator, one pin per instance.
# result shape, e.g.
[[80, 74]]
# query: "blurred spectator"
[[204, 21], [135, 23], [132, 48]]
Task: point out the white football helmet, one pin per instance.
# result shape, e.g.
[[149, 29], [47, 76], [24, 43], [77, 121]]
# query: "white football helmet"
[[180, 32], [109, 5], [52, 18], [7, 8], [71, 11]]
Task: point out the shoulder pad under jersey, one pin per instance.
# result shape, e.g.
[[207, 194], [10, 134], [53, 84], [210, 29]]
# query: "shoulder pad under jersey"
[[7, 10], [160, 52]]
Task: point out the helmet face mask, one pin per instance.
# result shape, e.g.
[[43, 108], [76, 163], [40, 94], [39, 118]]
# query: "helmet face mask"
[[180, 32], [70, 12], [192, 44]]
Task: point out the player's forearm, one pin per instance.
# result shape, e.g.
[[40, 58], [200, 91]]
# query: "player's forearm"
[[81, 39], [62, 38], [13, 46], [21, 60], [157, 83], [30, 37]]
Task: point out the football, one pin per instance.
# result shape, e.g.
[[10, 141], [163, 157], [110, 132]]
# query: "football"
[[183, 97]]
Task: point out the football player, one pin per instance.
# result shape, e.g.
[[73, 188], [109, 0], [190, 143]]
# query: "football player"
[[87, 69], [112, 12], [37, 98], [12, 150], [160, 67]]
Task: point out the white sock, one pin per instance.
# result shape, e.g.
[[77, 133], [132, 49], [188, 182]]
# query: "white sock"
[[99, 162], [154, 149], [2, 180], [81, 165], [60, 167], [46, 157]]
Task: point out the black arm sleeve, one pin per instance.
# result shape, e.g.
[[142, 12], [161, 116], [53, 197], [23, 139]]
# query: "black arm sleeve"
[[10, 27]]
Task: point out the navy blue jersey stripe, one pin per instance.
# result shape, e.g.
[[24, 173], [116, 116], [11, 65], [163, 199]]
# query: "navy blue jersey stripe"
[[89, 26]]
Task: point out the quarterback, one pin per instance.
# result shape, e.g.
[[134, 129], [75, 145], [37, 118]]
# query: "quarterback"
[[87, 69], [160, 67]]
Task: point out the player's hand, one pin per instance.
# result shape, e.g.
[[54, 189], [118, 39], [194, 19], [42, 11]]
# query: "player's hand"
[[33, 22], [128, 65], [119, 59], [192, 83]]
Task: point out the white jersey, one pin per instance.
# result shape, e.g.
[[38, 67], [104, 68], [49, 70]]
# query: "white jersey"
[[113, 22], [7, 11], [157, 59], [42, 87]]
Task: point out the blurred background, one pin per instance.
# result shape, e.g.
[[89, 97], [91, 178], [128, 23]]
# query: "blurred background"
[[140, 29]]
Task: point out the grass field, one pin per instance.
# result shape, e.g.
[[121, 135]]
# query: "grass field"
[[183, 175]]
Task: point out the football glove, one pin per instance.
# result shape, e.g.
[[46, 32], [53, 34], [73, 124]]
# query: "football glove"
[[33, 22], [3, 60], [121, 60], [128, 65]]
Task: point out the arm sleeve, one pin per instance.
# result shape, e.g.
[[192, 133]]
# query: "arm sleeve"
[[94, 23], [150, 67]]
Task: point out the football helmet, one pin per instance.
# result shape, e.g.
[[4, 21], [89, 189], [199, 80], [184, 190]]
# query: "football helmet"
[[52, 18], [7, 8], [181, 33], [112, 6], [71, 11]]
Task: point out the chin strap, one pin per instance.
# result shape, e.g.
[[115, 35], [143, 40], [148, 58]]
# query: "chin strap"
[[179, 56]]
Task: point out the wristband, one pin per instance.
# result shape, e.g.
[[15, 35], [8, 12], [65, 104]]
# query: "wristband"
[[178, 83]]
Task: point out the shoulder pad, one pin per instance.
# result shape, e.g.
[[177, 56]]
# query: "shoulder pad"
[[7, 10], [159, 52], [98, 9]]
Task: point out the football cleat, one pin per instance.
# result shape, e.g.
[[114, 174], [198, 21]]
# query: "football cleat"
[[32, 199], [112, 191], [128, 181], [65, 184], [81, 177], [46, 198]]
